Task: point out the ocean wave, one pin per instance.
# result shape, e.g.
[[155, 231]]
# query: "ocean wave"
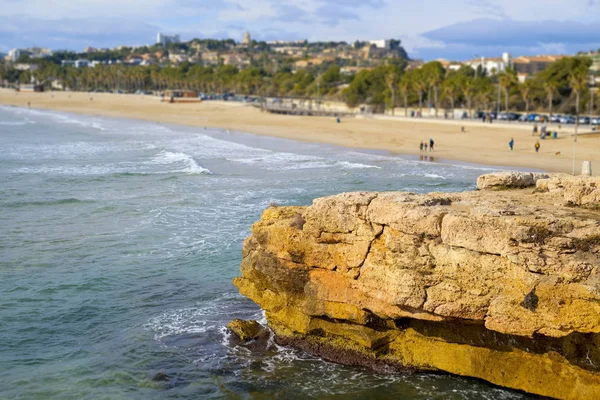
[[68, 201], [56, 117], [16, 123], [350, 165], [434, 176], [190, 166]]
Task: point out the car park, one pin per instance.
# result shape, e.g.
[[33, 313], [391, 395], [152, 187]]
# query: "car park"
[[567, 119], [584, 120], [555, 118]]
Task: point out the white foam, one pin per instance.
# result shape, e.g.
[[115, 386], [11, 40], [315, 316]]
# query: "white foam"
[[178, 322], [190, 165], [16, 123], [350, 165], [57, 117], [435, 176]]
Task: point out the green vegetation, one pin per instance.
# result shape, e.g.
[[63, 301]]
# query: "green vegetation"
[[384, 84]]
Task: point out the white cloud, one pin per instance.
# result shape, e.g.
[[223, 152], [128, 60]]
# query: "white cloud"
[[269, 19]]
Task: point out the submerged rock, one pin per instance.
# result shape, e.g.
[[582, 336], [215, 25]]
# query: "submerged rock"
[[246, 330], [439, 282]]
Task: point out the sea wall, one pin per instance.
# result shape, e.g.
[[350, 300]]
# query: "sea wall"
[[500, 284]]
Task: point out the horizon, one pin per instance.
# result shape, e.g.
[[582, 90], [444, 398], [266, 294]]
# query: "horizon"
[[454, 30]]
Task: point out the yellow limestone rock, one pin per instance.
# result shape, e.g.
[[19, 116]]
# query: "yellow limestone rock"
[[501, 285]]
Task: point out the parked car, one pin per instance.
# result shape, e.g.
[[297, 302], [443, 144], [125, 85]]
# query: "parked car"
[[584, 120], [513, 116], [595, 121], [532, 117], [555, 118], [541, 118], [567, 119]]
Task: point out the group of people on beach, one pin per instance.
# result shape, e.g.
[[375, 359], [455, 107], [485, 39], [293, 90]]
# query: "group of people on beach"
[[511, 145], [423, 145]]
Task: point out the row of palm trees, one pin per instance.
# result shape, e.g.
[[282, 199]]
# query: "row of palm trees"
[[384, 85], [568, 77]]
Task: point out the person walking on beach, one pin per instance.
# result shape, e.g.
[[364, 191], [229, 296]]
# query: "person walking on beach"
[[425, 146], [537, 147], [431, 143], [535, 129], [511, 143], [421, 146]]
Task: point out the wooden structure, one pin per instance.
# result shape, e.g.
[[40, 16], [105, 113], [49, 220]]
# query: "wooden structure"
[[180, 96]]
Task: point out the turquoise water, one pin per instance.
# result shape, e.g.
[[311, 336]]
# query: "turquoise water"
[[118, 243]]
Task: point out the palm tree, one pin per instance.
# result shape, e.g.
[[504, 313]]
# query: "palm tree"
[[526, 89], [506, 79], [404, 85], [450, 88], [391, 80], [434, 75], [550, 87], [419, 84], [578, 78], [469, 91]]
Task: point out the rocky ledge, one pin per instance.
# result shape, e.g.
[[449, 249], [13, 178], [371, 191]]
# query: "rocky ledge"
[[501, 285]]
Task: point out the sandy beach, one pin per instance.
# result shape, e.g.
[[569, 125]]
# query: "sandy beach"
[[480, 143]]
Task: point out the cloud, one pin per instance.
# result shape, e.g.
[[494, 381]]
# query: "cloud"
[[74, 33], [487, 8], [521, 33]]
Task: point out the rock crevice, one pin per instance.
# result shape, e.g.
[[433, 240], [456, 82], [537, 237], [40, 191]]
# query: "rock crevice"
[[502, 285]]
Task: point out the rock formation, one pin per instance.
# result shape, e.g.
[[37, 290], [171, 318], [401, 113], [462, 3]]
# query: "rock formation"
[[501, 285]]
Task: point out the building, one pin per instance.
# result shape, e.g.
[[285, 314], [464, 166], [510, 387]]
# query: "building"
[[287, 42], [353, 70], [90, 49], [381, 44], [27, 67], [247, 41], [38, 52], [165, 40], [492, 65], [533, 65], [76, 63], [14, 54]]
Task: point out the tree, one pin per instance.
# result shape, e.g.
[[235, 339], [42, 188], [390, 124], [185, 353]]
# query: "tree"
[[450, 88], [506, 79], [469, 91], [551, 88], [404, 85], [433, 74], [526, 89], [419, 84], [578, 78], [391, 80]]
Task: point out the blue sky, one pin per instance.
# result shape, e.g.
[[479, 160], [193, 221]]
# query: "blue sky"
[[453, 29]]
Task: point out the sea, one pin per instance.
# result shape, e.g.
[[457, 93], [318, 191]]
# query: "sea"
[[118, 243]]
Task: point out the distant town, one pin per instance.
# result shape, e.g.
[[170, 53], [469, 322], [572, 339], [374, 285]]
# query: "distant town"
[[363, 72]]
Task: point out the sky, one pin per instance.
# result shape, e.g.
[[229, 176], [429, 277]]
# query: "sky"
[[428, 29]]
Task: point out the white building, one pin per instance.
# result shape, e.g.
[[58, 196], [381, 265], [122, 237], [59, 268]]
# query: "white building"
[[14, 55], [492, 65], [38, 52], [164, 40], [381, 44]]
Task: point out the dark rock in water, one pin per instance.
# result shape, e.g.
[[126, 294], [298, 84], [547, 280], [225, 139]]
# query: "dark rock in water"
[[160, 377], [247, 330], [530, 301]]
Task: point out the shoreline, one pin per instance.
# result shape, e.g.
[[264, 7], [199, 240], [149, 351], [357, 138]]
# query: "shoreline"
[[477, 145]]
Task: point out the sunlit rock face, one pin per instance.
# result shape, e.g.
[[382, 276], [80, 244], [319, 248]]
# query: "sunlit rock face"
[[502, 285]]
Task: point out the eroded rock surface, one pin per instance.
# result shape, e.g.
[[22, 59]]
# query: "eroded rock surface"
[[498, 285]]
